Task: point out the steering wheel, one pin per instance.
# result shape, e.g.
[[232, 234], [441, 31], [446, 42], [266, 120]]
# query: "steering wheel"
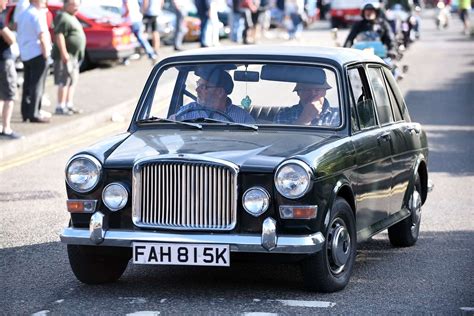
[[209, 112]]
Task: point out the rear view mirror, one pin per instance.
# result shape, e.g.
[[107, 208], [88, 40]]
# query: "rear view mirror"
[[248, 76]]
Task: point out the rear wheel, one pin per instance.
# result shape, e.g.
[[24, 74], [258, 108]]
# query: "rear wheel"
[[405, 233], [330, 269], [96, 265]]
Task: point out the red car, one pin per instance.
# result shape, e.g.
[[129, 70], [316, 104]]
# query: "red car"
[[108, 37]]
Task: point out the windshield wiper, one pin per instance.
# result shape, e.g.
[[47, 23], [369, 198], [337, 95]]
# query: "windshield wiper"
[[206, 119], [155, 119]]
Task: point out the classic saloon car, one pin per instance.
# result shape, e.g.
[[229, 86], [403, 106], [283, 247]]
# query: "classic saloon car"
[[296, 151]]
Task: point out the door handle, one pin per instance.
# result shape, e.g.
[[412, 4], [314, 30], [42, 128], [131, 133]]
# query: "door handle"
[[412, 130], [385, 137]]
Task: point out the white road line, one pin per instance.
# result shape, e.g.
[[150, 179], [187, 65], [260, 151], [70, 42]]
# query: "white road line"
[[467, 309], [259, 314], [296, 303], [41, 313], [145, 313]]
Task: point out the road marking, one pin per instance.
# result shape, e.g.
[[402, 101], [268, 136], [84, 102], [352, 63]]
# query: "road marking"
[[467, 309], [49, 149], [145, 313], [297, 303], [259, 314]]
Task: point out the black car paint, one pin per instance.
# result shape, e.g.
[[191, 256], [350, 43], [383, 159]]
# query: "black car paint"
[[359, 163]]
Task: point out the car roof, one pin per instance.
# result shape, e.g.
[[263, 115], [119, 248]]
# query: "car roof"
[[337, 54]]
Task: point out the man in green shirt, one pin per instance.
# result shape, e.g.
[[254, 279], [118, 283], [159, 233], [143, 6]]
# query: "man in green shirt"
[[68, 53]]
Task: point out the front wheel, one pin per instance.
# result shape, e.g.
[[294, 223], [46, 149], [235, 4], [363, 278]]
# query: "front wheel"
[[97, 265], [405, 233], [330, 269]]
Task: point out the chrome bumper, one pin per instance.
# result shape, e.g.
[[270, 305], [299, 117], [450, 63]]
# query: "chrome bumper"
[[267, 242]]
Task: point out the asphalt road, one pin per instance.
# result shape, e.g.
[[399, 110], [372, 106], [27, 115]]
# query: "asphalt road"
[[436, 276]]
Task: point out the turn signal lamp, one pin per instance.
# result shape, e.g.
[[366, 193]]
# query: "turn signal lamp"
[[81, 206], [298, 211]]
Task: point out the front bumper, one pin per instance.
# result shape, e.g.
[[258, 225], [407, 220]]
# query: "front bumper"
[[267, 242]]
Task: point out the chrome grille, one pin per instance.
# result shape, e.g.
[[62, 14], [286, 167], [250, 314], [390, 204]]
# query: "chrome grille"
[[186, 195]]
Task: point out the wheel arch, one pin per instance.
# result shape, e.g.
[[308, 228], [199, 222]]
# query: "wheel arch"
[[420, 167], [343, 189]]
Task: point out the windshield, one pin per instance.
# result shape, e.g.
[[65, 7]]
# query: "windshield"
[[252, 93]]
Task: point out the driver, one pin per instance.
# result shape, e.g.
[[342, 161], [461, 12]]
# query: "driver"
[[213, 88]]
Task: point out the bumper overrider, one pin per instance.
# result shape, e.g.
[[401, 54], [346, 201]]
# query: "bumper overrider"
[[268, 241]]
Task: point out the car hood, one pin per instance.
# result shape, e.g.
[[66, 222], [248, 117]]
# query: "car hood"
[[250, 150]]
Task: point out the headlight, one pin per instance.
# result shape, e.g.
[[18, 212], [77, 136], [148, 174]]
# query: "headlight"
[[293, 179], [83, 173], [115, 196], [256, 201]]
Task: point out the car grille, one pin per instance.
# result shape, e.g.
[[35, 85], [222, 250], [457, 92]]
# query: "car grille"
[[186, 195]]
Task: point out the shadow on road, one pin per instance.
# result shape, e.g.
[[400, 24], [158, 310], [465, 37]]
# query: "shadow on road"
[[39, 274]]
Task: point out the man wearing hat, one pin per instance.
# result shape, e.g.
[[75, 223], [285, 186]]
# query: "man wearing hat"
[[213, 88], [313, 108]]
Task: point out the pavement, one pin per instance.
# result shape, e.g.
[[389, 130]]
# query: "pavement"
[[109, 94]]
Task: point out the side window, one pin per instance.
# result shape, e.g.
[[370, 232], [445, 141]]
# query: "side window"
[[400, 102], [362, 106], [381, 97], [397, 114]]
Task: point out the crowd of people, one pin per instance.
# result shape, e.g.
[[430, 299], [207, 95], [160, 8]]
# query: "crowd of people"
[[248, 21]]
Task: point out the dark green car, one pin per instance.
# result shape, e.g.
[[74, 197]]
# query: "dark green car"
[[297, 154]]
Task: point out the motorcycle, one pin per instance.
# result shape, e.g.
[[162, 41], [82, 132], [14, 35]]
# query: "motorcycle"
[[443, 15], [370, 42], [404, 25]]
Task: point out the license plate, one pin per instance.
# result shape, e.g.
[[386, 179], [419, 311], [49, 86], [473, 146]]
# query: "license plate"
[[181, 254]]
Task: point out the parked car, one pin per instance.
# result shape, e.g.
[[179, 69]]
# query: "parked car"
[[108, 38], [345, 12], [189, 184]]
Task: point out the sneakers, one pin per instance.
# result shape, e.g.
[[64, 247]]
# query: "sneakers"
[[75, 110], [11, 135], [63, 111]]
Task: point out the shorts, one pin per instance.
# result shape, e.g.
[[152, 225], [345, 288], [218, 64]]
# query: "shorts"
[[150, 22], [464, 15], [66, 74], [8, 80]]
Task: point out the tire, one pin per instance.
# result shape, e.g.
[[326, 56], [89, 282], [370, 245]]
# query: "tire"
[[97, 265], [329, 271], [406, 232]]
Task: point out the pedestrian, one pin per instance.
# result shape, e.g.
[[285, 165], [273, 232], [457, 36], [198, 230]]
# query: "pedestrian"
[[213, 27], [132, 15], [68, 53], [237, 22], [151, 9], [464, 9], [203, 7], [179, 8], [7, 74], [34, 42]]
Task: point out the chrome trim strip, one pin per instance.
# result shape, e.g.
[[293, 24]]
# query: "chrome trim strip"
[[96, 228], [192, 209], [302, 244]]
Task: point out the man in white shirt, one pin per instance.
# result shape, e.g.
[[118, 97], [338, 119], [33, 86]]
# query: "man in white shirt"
[[34, 41]]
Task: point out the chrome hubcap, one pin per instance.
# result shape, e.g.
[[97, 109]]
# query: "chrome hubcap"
[[339, 246], [415, 208]]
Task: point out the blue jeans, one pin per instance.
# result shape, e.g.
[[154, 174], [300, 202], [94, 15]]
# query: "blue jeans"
[[137, 31], [237, 28]]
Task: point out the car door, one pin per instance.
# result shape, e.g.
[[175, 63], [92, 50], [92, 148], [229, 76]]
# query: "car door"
[[405, 139], [373, 174]]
